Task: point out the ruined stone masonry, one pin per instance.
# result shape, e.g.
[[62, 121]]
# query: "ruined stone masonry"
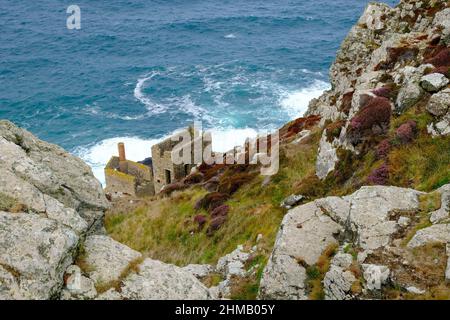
[[150, 176]]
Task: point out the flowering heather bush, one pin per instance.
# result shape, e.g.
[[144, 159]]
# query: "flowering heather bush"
[[383, 149], [383, 92], [445, 70], [220, 211], [442, 59], [200, 220], [193, 178], [230, 184], [377, 112], [211, 201], [215, 224], [170, 188], [379, 176], [407, 131]]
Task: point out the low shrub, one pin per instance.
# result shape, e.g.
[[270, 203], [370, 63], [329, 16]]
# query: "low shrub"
[[170, 188], [383, 149], [211, 201], [220, 211], [376, 113], [406, 132], [193, 178], [379, 176], [200, 220], [441, 59], [334, 130], [229, 184]]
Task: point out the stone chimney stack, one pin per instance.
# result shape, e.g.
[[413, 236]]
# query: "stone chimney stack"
[[121, 147], [122, 157]]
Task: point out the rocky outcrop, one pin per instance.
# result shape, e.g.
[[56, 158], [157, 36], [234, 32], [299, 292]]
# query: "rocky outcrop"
[[52, 202], [51, 208], [400, 54], [370, 219], [338, 281]]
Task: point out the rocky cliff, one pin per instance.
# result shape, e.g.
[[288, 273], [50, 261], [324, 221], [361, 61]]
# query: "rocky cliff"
[[358, 210], [390, 86], [52, 242]]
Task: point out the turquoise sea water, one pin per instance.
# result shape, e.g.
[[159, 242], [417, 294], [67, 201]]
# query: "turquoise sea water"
[[138, 70]]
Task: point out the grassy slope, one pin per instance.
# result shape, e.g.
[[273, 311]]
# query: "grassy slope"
[[164, 229]]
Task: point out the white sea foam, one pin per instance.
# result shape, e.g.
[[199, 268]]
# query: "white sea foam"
[[230, 36], [151, 106], [296, 102]]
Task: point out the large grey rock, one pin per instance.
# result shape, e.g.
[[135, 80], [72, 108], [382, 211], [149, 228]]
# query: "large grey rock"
[[326, 158], [374, 16], [34, 254], [291, 201], [105, 260], [304, 234], [442, 20], [40, 168], [159, 281], [363, 218], [338, 283], [437, 233], [233, 264], [78, 287], [408, 96], [439, 104], [376, 276], [370, 209], [338, 280], [434, 82]]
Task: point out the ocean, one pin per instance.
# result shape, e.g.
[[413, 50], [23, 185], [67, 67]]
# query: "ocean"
[[136, 71]]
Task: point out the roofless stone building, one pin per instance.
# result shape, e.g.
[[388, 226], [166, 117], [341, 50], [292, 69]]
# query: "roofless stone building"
[[150, 176]]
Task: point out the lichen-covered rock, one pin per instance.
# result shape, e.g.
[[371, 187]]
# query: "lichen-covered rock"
[[408, 96], [439, 104], [374, 16], [46, 169], [376, 276], [155, 280], [326, 158], [233, 264], [199, 270], [307, 230], [434, 82], [442, 20], [338, 283], [437, 233], [304, 235], [34, 254], [338, 280], [105, 259], [291, 201], [77, 286]]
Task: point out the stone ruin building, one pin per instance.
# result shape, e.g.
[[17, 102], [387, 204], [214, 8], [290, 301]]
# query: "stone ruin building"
[[150, 176]]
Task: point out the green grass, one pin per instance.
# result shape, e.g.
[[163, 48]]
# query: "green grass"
[[164, 229]]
